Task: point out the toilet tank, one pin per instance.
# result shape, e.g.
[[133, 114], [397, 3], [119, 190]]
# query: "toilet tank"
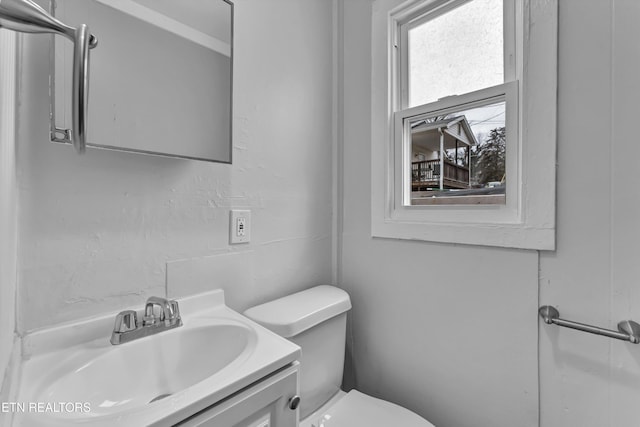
[[316, 320]]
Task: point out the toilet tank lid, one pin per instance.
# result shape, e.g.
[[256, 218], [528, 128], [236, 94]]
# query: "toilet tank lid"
[[290, 315]]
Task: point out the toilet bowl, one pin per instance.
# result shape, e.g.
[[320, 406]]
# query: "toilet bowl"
[[315, 319], [355, 409]]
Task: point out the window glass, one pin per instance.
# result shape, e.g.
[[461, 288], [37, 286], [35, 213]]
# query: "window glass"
[[456, 52], [462, 153]]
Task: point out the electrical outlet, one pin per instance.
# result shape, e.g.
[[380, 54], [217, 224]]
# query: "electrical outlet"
[[239, 226]]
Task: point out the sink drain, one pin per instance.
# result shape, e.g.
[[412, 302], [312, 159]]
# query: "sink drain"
[[162, 396]]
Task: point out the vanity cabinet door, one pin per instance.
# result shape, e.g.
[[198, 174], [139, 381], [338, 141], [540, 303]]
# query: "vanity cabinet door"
[[265, 404]]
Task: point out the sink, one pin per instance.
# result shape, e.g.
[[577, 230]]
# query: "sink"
[[157, 380], [140, 373]]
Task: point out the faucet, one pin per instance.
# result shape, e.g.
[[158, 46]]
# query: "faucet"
[[127, 328], [166, 313]]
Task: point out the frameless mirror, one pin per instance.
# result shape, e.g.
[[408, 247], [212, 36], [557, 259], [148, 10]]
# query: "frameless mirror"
[[160, 79]]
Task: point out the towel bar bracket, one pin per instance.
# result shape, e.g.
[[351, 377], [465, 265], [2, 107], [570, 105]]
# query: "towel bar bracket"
[[61, 135]]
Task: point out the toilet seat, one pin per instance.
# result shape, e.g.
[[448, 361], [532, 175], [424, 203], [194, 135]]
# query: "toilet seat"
[[357, 409]]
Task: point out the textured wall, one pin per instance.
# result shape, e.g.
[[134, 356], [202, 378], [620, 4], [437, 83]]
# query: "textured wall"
[[96, 232], [8, 234], [451, 331], [586, 380], [448, 331]]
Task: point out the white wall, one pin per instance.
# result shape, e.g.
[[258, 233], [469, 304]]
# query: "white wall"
[[446, 330], [106, 230], [593, 276], [8, 234], [451, 331]]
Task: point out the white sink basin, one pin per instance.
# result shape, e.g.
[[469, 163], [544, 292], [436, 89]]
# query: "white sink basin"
[[141, 372], [157, 380]]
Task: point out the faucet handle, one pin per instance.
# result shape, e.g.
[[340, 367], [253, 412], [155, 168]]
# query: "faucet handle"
[[175, 309], [175, 312], [149, 319], [126, 321]]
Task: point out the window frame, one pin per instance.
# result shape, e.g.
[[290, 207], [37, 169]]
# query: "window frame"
[[528, 218]]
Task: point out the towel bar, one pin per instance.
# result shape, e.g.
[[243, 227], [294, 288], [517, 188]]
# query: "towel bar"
[[628, 330], [25, 16]]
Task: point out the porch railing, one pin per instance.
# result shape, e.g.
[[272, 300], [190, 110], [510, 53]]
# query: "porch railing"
[[428, 172]]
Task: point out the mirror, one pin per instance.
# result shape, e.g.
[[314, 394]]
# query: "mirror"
[[160, 80]]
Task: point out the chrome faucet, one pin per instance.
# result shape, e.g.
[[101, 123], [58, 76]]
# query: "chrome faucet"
[[127, 328], [166, 311]]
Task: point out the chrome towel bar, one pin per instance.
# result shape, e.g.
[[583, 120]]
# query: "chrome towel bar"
[[628, 330], [25, 16]]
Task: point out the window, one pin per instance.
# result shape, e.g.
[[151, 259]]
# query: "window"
[[456, 157], [453, 49], [455, 87]]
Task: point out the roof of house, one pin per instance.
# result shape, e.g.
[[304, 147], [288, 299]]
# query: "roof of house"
[[426, 133]]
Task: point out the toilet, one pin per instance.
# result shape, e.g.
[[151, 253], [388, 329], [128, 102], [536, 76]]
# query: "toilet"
[[316, 320]]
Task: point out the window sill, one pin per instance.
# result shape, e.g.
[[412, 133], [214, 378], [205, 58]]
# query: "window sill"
[[500, 235]]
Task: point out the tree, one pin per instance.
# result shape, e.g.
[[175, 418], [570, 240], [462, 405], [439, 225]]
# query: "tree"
[[489, 157]]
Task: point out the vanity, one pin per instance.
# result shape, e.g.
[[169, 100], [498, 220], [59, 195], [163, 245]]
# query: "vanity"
[[217, 369]]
